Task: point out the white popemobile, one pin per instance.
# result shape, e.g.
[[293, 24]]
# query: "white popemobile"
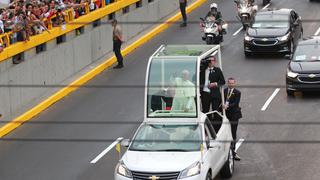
[[176, 140]]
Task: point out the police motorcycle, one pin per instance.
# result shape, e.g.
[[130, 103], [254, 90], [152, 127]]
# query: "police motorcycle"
[[246, 12], [213, 28]]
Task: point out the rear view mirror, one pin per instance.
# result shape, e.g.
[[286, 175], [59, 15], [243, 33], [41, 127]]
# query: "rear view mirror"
[[125, 142], [201, 19]]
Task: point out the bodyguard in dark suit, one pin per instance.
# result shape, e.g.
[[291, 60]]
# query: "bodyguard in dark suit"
[[233, 110], [211, 79]]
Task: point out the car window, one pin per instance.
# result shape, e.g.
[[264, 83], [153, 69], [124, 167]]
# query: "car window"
[[163, 137], [262, 21], [210, 130], [307, 52], [172, 88], [207, 133]]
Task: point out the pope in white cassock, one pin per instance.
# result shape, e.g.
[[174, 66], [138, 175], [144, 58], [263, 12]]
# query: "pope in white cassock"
[[185, 93]]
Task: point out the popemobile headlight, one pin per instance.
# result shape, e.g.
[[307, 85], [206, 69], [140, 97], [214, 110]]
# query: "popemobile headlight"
[[247, 38], [193, 170], [123, 170], [291, 74], [284, 38]]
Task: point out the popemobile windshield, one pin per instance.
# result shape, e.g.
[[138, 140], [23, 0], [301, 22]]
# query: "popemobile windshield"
[[172, 81]]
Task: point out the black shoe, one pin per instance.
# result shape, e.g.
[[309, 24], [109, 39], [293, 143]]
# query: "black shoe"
[[118, 66], [236, 157], [183, 24]]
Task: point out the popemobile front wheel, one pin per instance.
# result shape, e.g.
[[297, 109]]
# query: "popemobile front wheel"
[[228, 167], [209, 176], [290, 93]]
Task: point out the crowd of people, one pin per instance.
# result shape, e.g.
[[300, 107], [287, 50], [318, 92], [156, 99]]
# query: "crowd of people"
[[25, 18]]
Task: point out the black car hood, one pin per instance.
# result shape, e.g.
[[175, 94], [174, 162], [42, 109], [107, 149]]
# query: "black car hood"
[[268, 32], [305, 67]]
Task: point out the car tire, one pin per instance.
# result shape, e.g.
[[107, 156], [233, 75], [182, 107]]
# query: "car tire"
[[244, 27], [290, 93], [247, 54], [209, 176], [228, 167]]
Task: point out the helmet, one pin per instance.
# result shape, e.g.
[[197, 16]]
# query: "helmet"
[[214, 5]]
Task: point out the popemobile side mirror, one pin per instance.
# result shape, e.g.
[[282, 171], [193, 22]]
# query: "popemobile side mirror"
[[125, 143], [201, 19]]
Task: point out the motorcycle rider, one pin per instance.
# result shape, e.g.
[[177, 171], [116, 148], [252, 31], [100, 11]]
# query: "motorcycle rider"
[[217, 16], [246, 11], [250, 2], [214, 12]]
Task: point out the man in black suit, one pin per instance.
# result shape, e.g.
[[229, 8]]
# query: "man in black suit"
[[233, 110], [211, 79]]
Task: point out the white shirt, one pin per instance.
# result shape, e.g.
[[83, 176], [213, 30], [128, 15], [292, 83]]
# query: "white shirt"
[[229, 93], [207, 81]]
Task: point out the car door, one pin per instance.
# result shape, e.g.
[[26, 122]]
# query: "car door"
[[216, 151], [295, 26]]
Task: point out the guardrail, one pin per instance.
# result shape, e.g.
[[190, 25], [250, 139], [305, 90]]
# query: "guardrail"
[[11, 50]]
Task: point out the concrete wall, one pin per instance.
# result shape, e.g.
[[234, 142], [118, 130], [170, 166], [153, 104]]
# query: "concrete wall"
[[63, 61]]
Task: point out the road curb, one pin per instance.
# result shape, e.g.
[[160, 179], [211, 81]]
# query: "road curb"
[[9, 127]]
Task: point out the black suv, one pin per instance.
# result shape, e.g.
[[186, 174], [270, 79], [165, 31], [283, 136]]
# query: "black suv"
[[273, 31], [303, 72]]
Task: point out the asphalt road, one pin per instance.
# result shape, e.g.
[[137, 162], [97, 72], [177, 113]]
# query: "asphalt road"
[[83, 124]]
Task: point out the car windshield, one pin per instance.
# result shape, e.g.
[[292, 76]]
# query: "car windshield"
[[307, 52], [172, 87], [271, 21], [167, 138]]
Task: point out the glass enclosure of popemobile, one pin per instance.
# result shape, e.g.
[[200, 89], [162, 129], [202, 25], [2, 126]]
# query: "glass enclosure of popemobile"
[[173, 82]]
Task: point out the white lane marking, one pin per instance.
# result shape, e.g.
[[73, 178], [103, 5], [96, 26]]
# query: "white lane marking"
[[317, 32], [104, 152], [238, 144], [240, 29], [265, 106], [234, 34], [266, 6]]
